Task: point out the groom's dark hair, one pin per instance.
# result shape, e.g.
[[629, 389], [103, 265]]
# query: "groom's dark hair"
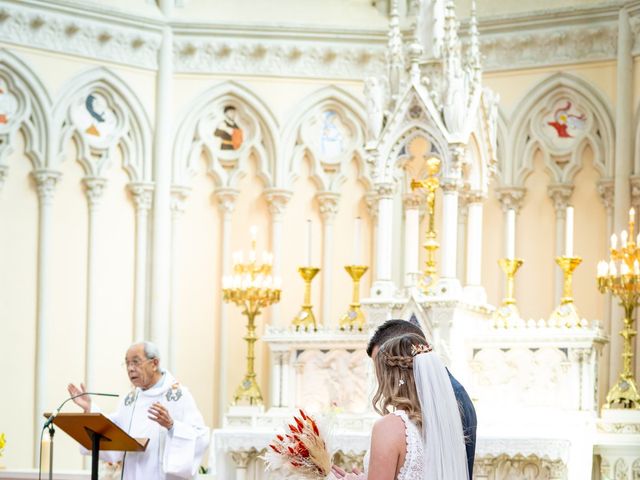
[[391, 329]]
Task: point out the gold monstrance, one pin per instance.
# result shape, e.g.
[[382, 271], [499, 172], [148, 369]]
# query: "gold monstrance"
[[252, 288], [431, 245], [623, 281]]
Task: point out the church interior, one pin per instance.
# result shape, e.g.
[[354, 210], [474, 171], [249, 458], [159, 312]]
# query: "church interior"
[[255, 186]]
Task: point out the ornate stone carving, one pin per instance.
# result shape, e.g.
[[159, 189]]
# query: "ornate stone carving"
[[620, 470], [605, 190], [475, 196], [73, 32], [277, 199], [242, 458], [634, 181], [94, 188], [412, 201], [226, 198], [384, 190], [142, 196], [178, 199], [510, 198], [328, 202], [523, 46], [560, 194], [371, 199], [46, 181], [4, 171]]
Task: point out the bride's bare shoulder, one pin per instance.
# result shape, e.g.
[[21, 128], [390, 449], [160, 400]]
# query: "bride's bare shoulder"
[[390, 426]]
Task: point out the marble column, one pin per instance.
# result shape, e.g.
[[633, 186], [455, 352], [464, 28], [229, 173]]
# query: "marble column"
[[178, 198], [635, 202], [411, 203], [328, 202], [560, 194], [226, 198], [473, 290], [383, 286], [371, 200], [277, 200], [46, 181], [94, 189], [242, 459], [142, 197], [623, 163], [160, 264]]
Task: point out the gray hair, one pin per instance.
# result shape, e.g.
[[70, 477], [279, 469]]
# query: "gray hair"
[[151, 351]]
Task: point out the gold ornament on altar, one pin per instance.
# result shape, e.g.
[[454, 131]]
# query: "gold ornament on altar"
[[354, 316], [252, 288], [620, 276], [305, 317], [431, 245], [566, 314], [507, 313], [3, 443]]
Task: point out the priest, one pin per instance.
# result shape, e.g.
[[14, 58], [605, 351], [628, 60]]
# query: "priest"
[[158, 408]]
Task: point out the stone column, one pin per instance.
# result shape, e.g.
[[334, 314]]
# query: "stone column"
[[142, 197], [463, 215], [94, 189], [605, 189], [328, 202], [226, 198], [371, 199], [46, 181], [635, 202], [160, 265], [449, 283], [560, 194], [623, 163], [242, 459], [383, 285], [510, 198], [178, 199], [473, 290], [277, 200], [411, 203]]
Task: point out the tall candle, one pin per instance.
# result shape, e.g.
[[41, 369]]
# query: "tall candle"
[[511, 233], [357, 242], [309, 242], [568, 233]]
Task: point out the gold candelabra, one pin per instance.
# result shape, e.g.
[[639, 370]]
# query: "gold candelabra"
[[566, 313], [354, 316], [431, 245], [305, 317], [621, 277], [508, 314], [252, 288]]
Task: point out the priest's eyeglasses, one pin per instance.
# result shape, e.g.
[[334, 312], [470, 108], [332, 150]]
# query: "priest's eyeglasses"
[[135, 363]]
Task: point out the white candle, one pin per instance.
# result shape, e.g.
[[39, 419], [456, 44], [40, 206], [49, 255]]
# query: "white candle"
[[568, 233], [511, 233], [309, 242], [357, 241], [614, 241], [623, 238]]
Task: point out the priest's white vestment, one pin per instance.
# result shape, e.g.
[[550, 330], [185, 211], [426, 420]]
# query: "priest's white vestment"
[[170, 454]]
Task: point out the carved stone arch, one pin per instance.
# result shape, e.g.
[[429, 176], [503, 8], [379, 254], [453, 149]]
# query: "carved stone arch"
[[343, 114], [505, 161], [196, 136], [24, 106], [122, 122], [476, 169], [397, 155], [556, 104]]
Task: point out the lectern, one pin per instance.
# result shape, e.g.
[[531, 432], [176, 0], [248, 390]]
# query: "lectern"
[[96, 432]]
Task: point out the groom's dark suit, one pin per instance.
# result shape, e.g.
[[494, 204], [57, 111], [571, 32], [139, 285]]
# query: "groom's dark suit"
[[469, 420]]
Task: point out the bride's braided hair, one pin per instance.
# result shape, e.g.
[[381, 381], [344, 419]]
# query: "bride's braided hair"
[[394, 370]]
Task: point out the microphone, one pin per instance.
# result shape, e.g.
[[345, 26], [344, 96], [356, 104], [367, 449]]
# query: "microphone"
[[57, 410]]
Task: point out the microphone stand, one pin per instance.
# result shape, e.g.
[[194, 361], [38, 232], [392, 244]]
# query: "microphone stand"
[[49, 425]]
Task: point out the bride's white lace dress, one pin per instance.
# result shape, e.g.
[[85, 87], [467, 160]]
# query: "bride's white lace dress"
[[414, 459]]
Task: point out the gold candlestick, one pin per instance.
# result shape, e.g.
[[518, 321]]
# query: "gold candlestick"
[[354, 316], [431, 245], [566, 313], [305, 317], [623, 281], [252, 288], [507, 314]]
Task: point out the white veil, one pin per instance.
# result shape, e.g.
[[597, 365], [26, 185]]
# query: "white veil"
[[442, 434]]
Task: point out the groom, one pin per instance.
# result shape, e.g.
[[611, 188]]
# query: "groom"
[[395, 328]]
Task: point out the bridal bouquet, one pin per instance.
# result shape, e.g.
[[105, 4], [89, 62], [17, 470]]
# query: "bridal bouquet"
[[302, 451]]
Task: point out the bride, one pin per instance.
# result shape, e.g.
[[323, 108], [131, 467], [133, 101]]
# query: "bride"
[[420, 435]]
